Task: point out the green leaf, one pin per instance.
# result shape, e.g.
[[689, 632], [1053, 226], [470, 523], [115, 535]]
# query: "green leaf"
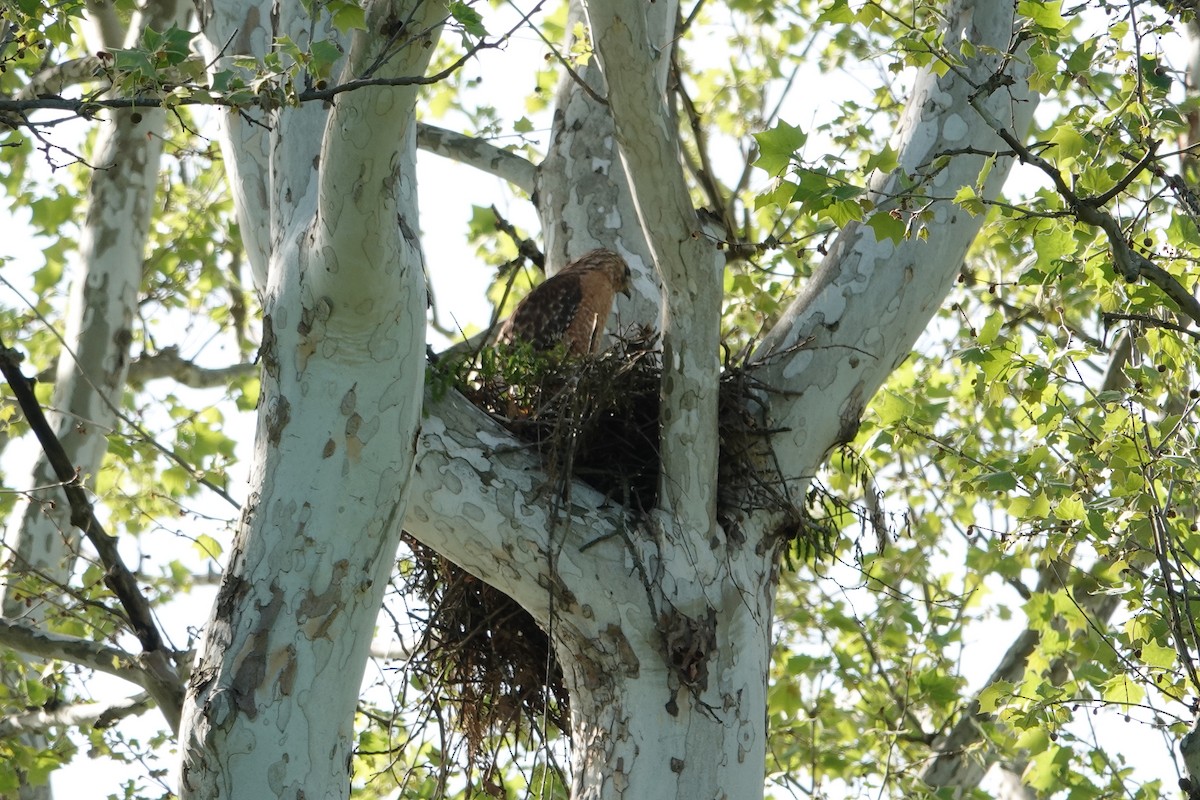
[[886, 227], [1156, 655], [1081, 59], [1155, 73], [991, 328], [777, 146], [1068, 144], [838, 13], [325, 54], [1121, 689], [347, 16], [176, 45], [1047, 769], [208, 547], [468, 17], [1030, 508], [1045, 14], [885, 160], [844, 212], [133, 62], [994, 695], [1070, 508], [892, 408], [1003, 481]]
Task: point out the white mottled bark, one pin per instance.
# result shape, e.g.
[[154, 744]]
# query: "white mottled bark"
[[663, 631], [232, 29], [865, 307], [272, 696], [583, 195], [481, 155], [39, 539], [639, 730], [99, 317], [634, 53]]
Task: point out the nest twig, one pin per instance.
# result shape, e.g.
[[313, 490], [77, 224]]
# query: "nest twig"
[[594, 419]]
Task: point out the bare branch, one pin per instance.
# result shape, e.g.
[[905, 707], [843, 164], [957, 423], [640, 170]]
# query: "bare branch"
[[477, 153], [54, 80], [1154, 322], [167, 363], [162, 680], [75, 715], [84, 652]]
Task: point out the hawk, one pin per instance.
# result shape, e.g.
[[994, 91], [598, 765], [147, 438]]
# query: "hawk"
[[570, 307]]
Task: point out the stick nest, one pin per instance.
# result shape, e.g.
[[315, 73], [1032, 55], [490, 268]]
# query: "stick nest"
[[594, 419]]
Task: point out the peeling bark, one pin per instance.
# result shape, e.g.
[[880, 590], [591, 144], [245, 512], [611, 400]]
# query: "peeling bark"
[[272, 696], [869, 301], [633, 45], [232, 29], [663, 626], [583, 196]]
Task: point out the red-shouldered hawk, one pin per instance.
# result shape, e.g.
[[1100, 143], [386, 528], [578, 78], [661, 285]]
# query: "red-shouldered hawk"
[[571, 307]]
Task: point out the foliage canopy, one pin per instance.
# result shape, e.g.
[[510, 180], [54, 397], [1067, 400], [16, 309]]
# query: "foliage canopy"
[[1029, 472]]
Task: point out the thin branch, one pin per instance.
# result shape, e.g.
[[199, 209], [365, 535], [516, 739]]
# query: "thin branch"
[[1088, 210], [121, 415], [1152, 321], [481, 155], [566, 65], [84, 652], [267, 97], [703, 171], [75, 715], [162, 680], [167, 363], [57, 78], [527, 248], [1128, 177]]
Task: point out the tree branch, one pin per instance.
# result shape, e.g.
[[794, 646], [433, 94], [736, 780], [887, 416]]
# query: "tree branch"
[[74, 715], [268, 97], [165, 684], [1089, 210], [461, 454], [873, 295], [57, 78], [84, 652], [1153, 322], [167, 363], [477, 153], [634, 54]]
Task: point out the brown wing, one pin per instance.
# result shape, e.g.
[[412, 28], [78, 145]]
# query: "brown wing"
[[583, 333], [545, 315]]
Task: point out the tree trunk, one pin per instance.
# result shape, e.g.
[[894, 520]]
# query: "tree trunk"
[[662, 624], [583, 195], [640, 730], [271, 700], [663, 629]]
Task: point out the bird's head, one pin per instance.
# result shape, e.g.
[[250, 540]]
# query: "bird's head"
[[612, 265]]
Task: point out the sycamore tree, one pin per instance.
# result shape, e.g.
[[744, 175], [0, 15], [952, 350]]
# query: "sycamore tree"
[[920, 505]]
